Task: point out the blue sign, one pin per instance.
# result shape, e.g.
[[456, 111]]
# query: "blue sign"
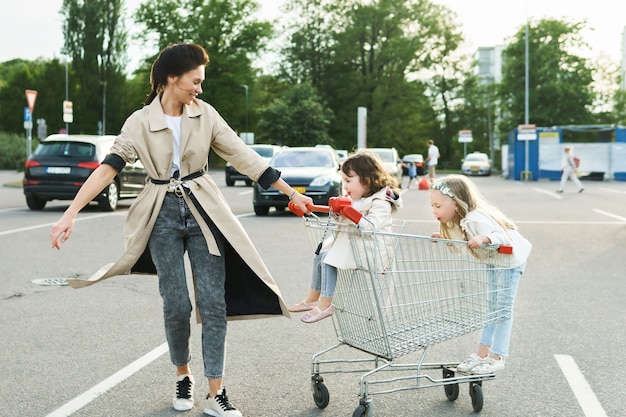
[[28, 116]]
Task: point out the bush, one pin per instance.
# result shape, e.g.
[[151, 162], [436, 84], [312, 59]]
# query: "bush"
[[13, 151]]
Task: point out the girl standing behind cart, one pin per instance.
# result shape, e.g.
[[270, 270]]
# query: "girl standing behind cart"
[[464, 214], [373, 194]]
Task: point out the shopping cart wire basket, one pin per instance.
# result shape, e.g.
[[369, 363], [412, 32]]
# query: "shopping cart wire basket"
[[407, 293]]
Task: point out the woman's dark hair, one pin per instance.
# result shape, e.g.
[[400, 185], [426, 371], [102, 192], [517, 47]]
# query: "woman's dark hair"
[[176, 59]]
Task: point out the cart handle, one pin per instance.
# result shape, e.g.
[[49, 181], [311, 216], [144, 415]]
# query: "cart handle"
[[339, 205], [506, 249]]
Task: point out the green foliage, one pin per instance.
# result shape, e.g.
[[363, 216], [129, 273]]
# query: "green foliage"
[[229, 34], [13, 151], [559, 86], [296, 119]]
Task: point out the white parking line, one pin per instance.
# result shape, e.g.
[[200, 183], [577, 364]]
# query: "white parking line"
[[550, 193], [610, 190], [577, 382], [39, 226], [606, 213], [79, 402]]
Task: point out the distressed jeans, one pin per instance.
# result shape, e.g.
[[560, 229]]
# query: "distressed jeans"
[[498, 336], [176, 231], [323, 276]]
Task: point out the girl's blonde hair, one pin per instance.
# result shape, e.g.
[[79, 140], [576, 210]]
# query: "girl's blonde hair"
[[467, 198], [369, 167]]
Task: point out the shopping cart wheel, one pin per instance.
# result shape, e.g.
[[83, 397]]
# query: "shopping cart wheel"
[[360, 411], [476, 392], [321, 396], [451, 390]]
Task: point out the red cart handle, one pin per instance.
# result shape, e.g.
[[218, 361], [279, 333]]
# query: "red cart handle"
[[338, 205], [506, 249]]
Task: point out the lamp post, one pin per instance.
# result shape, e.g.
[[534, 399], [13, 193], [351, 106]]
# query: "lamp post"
[[245, 87]]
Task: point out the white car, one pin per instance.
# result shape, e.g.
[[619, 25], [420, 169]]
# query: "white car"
[[476, 163], [391, 161]]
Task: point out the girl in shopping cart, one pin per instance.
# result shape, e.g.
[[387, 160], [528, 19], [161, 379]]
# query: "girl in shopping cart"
[[374, 194], [464, 214]]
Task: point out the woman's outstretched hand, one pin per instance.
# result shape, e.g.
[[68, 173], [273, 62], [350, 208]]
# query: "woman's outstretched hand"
[[61, 229]]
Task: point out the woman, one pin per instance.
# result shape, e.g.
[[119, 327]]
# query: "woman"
[[182, 210]]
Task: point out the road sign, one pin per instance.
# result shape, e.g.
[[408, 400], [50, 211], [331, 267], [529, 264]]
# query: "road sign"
[[526, 132], [28, 118], [68, 112], [465, 136], [31, 96]]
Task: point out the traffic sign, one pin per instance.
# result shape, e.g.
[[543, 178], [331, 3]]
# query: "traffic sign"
[[31, 96], [68, 112], [465, 136], [526, 132]]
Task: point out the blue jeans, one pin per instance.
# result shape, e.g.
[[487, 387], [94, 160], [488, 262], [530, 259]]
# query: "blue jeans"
[[323, 277], [175, 232], [498, 336]]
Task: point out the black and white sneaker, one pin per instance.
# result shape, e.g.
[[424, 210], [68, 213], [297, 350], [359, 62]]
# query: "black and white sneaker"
[[219, 406], [183, 398]]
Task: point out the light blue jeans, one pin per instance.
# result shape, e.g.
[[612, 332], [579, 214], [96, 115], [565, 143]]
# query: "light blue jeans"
[[176, 231], [323, 277], [498, 336]]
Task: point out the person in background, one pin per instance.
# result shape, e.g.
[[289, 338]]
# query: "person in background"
[[412, 171], [374, 194], [464, 214], [181, 210], [568, 170], [432, 159]]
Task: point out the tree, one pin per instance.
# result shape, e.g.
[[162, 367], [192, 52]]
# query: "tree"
[[95, 39], [229, 34], [559, 81], [359, 53], [297, 118]]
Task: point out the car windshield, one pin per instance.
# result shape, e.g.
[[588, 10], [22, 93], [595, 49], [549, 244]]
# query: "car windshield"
[[78, 149], [476, 157], [303, 158], [264, 151], [385, 155]]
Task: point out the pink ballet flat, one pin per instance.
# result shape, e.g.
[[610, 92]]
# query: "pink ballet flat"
[[302, 306], [316, 314]]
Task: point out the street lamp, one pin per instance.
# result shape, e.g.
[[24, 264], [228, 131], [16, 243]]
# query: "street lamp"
[[245, 87]]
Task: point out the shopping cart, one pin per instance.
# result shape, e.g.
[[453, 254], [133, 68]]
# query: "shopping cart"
[[407, 293]]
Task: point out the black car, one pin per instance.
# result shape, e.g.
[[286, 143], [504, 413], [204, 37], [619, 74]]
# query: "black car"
[[61, 164], [309, 170], [266, 151]]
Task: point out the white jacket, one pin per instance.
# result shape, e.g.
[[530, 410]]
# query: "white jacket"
[[377, 212], [478, 223]]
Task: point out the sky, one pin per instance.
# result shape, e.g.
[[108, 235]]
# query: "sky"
[[33, 28]]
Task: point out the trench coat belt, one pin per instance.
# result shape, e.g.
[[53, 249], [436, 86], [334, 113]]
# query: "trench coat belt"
[[193, 198], [177, 190]]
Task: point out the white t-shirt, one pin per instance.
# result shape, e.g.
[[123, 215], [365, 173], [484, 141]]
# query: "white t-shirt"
[[175, 125], [433, 155]]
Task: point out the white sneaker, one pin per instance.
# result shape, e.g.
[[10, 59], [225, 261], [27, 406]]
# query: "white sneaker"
[[489, 366], [470, 363], [219, 406], [183, 398]]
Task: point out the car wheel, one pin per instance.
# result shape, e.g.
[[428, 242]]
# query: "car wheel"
[[229, 181], [261, 210], [249, 183], [110, 199], [35, 203]]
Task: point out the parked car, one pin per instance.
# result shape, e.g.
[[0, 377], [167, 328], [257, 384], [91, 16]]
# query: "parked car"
[[266, 151], [342, 154], [61, 163], [476, 163], [312, 171], [391, 161], [417, 159]]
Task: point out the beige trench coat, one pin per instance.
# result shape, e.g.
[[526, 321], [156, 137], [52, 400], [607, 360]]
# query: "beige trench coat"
[[251, 291]]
